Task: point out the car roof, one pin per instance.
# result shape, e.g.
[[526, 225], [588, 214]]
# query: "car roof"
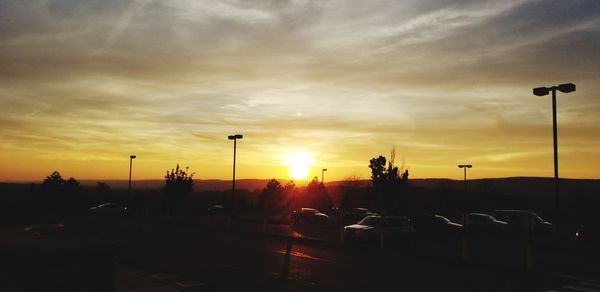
[[108, 204], [514, 211], [387, 217], [480, 214]]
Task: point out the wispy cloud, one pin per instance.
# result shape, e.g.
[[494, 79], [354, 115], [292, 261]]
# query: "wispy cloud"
[[442, 80]]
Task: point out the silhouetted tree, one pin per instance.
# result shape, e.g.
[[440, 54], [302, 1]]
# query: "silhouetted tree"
[[101, 192], [62, 195], [178, 184], [316, 196], [291, 195], [272, 195], [350, 190], [386, 181], [275, 196], [290, 187], [102, 187], [53, 183], [378, 171], [72, 186]]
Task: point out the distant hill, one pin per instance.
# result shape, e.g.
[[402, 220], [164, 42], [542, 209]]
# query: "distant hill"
[[199, 184], [522, 186], [579, 198]]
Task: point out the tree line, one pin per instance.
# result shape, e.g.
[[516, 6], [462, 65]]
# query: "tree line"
[[59, 195]]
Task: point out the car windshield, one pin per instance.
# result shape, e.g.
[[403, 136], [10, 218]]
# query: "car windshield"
[[370, 221], [481, 217], [537, 218], [442, 219]]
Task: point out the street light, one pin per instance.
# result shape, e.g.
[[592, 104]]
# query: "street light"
[[131, 158], [541, 91], [322, 175], [465, 166], [234, 138]]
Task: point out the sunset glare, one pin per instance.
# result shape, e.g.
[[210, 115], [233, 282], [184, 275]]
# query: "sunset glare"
[[299, 164], [83, 84]]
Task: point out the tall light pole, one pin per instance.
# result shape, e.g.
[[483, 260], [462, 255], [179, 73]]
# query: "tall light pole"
[[131, 158], [234, 138], [323, 175], [465, 166], [541, 91]]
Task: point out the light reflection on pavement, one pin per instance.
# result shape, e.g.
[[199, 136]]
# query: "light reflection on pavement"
[[296, 253]]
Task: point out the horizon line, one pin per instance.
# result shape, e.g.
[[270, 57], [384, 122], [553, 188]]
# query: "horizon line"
[[290, 179]]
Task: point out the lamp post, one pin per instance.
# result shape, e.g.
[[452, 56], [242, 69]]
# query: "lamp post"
[[131, 158], [323, 175], [465, 166], [541, 91], [234, 138]]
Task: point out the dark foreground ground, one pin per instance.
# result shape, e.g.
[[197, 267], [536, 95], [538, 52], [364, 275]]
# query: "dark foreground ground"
[[217, 256]]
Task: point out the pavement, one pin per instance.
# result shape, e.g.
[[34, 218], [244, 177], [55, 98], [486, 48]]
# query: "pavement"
[[131, 280], [187, 257], [502, 252], [157, 254]]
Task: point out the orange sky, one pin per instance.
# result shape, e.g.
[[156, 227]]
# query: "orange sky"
[[85, 84]]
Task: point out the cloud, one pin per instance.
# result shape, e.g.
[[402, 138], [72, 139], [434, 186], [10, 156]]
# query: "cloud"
[[442, 80]]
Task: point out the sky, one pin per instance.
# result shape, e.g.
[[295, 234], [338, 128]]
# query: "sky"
[[84, 84]]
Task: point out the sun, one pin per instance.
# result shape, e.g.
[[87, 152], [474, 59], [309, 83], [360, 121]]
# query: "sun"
[[299, 163]]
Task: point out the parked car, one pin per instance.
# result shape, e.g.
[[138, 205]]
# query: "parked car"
[[435, 225], [357, 214], [522, 220], [308, 215], [369, 229], [215, 209], [484, 223], [112, 209]]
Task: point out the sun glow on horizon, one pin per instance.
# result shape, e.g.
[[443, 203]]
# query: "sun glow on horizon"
[[299, 163]]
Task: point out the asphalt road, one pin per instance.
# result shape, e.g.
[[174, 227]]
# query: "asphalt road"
[[202, 259]]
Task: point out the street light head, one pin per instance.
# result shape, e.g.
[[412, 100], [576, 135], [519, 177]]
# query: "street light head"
[[566, 88], [541, 91], [233, 137], [132, 157], [324, 169], [465, 165]]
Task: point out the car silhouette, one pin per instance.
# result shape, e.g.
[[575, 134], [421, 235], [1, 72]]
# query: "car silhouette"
[[369, 229], [523, 220], [357, 214], [435, 225], [109, 209], [484, 223], [216, 209], [308, 215]]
